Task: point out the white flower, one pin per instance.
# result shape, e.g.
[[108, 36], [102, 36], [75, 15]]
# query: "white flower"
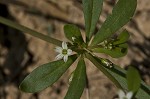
[[122, 95], [63, 51], [73, 38]]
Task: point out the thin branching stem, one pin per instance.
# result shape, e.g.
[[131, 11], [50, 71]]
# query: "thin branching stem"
[[87, 93], [87, 88]]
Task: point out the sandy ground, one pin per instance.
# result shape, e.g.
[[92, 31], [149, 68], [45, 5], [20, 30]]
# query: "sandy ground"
[[21, 53]]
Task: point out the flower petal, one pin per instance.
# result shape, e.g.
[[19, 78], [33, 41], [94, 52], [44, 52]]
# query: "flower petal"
[[69, 51], [58, 49], [59, 56], [65, 58], [121, 94], [73, 38], [64, 45], [129, 95]]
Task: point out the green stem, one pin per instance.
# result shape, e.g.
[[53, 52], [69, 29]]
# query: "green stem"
[[30, 31], [99, 66]]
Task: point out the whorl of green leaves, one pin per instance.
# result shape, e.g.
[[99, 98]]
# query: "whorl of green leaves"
[[103, 42]]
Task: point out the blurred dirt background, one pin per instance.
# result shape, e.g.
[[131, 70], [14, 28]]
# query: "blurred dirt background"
[[21, 53]]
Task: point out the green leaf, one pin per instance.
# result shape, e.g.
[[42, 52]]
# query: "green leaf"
[[116, 52], [78, 82], [92, 10], [30, 31], [122, 38], [45, 75], [118, 47], [120, 75], [101, 66], [121, 14], [133, 80], [71, 30]]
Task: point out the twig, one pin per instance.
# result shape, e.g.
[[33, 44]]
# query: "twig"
[[87, 88]]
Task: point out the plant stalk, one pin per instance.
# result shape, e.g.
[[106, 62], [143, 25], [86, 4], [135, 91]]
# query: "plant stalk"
[[87, 88]]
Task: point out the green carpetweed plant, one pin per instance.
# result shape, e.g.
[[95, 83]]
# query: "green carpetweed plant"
[[101, 41]]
